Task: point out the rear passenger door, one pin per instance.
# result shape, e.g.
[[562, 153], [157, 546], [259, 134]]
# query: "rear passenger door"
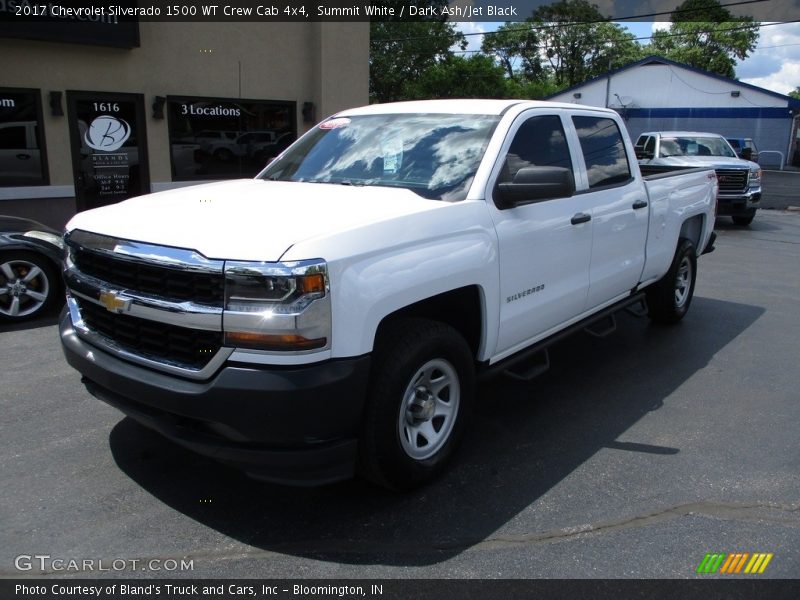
[[544, 246], [619, 208]]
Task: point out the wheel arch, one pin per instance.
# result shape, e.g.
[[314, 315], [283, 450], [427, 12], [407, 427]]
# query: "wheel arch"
[[692, 229], [461, 308]]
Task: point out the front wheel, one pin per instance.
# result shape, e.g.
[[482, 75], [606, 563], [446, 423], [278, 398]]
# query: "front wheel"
[[420, 396], [28, 286], [668, 300]]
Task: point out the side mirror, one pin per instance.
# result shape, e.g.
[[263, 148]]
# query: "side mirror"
[[533, 184], [747, 153]]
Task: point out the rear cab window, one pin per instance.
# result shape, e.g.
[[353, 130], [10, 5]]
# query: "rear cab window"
[[603, 149]]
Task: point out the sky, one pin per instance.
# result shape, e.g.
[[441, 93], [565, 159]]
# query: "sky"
[[773, 65]]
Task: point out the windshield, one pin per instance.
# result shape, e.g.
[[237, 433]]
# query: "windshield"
[[695, 146], [433, 155]]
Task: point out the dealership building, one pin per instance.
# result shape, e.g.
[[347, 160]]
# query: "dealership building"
[[98, 111], [659, 94]]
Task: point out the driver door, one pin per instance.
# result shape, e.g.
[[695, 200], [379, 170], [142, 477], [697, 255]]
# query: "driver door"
[[545, 246]]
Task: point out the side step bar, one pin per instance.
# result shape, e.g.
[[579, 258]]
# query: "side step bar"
[[638, 309], [533, 365], [603, 327], [535, 360]]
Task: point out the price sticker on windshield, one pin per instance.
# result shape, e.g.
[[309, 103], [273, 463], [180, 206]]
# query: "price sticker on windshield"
[[392, 150], [334, 123]]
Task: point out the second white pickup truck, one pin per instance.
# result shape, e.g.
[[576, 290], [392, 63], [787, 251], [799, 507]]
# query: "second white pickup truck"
[[332, 314], [739, 180]]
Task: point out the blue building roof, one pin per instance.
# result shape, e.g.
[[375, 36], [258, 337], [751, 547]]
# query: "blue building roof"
[[653, 59]]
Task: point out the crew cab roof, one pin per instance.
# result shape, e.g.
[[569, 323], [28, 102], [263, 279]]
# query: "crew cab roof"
[[460, 107]]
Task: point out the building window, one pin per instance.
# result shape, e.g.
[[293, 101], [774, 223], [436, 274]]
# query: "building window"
[[218, 138], [22, 155]]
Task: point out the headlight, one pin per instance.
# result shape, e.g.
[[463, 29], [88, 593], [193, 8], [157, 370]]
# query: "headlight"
[[277, 306], [755, 175], [46, 236]]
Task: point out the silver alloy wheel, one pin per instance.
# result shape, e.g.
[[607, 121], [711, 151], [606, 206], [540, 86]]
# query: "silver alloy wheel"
[[24, 288], [429, 410], [683, 282]]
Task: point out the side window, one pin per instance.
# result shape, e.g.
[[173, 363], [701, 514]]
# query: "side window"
[[603, 151], [539, 142], [650, 146]]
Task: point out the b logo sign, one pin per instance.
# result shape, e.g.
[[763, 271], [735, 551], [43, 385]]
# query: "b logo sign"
[[107, 133]]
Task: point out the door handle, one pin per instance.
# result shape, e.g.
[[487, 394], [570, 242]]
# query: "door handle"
[[579, 218], [639, 204], [23, 156]]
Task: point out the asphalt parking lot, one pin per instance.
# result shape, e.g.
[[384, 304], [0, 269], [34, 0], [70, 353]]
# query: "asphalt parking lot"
[[780, 189], [634, 456]]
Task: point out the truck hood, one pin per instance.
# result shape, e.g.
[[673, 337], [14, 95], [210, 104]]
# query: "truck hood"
[[716, 162], [248, 219]]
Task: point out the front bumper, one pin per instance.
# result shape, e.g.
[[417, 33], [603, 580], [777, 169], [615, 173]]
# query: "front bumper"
[[738, 205], [295, 425]]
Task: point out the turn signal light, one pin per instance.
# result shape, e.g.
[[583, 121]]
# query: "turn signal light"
[[268, 341], [312, 284]]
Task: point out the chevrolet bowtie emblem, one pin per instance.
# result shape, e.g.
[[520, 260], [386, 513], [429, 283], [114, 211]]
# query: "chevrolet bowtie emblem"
[[114, 302]]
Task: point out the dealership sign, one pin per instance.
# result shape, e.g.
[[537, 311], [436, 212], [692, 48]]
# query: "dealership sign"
[[58, 22]]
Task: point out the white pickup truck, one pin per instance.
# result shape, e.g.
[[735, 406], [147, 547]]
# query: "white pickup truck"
[[739, 180], [331, 315]]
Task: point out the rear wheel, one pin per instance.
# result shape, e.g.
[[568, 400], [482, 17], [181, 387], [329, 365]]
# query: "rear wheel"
[[668, 300], [420, 396]]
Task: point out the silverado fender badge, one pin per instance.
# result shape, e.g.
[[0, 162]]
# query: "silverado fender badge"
[[114, 302]]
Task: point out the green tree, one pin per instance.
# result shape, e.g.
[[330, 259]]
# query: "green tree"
[[512, 43], [401, 51], [795, 93], [580, 43], [531, 90], [706, 35], [458, 77]]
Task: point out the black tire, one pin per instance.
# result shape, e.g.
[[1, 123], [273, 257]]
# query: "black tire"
[[24, 296], [412, 358], [743, 221], [668, 300], [223, 154]]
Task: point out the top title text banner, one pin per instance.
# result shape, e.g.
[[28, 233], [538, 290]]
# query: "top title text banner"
[[377, 10]]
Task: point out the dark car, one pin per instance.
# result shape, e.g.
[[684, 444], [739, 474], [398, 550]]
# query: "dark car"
[[30, 268], [745, 148]]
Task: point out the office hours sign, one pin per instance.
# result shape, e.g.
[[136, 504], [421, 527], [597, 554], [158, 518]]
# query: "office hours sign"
[[109, 150]]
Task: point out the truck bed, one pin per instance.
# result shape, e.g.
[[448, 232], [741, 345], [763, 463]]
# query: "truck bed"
[[652, 172]]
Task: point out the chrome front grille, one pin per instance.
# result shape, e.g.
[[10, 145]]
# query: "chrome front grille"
[[180, 346], [153, 305], [164, 282], [732, 180]]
